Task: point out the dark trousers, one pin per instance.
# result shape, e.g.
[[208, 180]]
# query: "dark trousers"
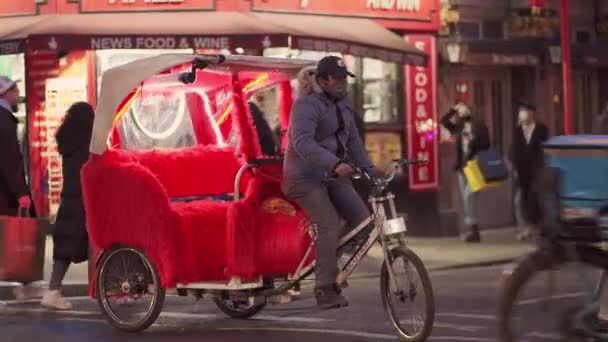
[[326, 204]]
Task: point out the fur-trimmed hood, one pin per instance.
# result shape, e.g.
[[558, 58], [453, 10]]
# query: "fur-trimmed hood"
[[307, 81]]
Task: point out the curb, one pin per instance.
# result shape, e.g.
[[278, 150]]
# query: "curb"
[[69, 289], [376, 253]]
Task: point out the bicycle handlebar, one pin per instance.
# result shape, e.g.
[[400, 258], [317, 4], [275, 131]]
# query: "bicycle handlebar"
[[380, 183]]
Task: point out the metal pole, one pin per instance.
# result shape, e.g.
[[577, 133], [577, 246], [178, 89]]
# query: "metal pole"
[[566, 64]]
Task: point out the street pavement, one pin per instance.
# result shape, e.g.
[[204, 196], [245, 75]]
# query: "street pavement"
[[499, 246], [466, 304]]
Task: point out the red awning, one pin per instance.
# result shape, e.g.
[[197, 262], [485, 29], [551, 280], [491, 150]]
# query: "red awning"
[[209, 30], [354, 36]]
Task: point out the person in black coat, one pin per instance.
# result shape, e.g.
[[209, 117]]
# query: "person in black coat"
[[265, 135], [13, 188], [70, 237], [472, 137], [526, 155]]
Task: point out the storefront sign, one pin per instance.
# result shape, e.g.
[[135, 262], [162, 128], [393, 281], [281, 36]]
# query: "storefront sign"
[[145, 5], [501, 59], [16, 8], [304, 43], [40, 66], [61, 93], [11, 47], [381, 9], [421, 117], [63, 43], [533, 26], [44, 117]]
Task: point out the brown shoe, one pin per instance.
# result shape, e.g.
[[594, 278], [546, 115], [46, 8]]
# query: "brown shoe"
[[329, 297]]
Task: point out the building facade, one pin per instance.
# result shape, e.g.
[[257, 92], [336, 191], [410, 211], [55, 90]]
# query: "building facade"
[[398, 102], [496, 53]]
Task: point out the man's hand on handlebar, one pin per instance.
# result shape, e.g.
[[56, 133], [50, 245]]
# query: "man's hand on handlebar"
[[343, 170]]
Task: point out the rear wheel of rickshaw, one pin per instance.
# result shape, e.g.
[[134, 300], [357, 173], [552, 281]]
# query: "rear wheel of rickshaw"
[[238, 309], [413, 291], [128, 289]]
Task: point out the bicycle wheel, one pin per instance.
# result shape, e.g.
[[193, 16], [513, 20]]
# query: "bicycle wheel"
[[238, 309], [409, 294], [527, 309], [128, 289]]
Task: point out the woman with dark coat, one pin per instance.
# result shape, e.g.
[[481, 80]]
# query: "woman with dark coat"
[[70, 237]]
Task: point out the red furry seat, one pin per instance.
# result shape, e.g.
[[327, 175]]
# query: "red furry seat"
[[127, 198]]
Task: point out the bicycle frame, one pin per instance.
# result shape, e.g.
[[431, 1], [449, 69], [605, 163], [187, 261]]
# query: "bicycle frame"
[[378, 219]]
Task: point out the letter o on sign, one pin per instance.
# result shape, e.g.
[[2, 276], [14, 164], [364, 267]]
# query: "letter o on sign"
[[421, 79]]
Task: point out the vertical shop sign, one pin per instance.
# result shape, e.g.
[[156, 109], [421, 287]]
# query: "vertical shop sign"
[[41, 65], [43, 119], [421, 116], [61, 93]]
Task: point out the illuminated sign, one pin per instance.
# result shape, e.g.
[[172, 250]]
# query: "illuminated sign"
[[381, 9], [145, 5]]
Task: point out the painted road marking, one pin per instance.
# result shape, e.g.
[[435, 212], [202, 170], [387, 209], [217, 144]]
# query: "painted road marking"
[[177, 315], [465, 315], [255, 318], [355, 333], [540, 300]]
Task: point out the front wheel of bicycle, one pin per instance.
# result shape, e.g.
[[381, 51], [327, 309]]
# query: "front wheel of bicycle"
[[541, 265], [412, 290]]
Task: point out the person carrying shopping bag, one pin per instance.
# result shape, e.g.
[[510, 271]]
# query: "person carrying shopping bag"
[[471, 136], [70, 238], [14, 193]]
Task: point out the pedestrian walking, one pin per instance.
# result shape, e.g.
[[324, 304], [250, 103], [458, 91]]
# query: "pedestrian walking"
[[471, 136], [14, 194], [13, 188], [70, 238], [527, 157]]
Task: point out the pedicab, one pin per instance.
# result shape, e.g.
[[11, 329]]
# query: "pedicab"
[[178, 196], [572, 195]]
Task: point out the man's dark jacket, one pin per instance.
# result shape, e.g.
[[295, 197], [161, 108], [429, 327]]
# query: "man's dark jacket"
[[12, 170]]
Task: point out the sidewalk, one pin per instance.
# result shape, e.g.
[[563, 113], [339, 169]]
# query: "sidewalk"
[[498, 247], [75, 284]]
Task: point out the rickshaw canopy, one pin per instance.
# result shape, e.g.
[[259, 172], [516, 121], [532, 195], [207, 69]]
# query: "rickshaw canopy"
[[119, 82]]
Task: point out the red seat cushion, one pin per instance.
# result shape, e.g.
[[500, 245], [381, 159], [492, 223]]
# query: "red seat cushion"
[[201, 231]]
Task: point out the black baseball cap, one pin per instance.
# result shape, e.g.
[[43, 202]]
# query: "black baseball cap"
[[334, 66]]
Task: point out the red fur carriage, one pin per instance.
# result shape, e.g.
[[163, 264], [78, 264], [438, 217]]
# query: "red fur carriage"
[[179, 196], [191, 205]]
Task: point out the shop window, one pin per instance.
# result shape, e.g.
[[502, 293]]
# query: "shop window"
[[582, 36], [493, 30], [469, 30], [380, 89]]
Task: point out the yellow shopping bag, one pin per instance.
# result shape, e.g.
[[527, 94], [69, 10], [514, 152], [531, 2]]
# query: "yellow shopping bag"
[[475, 178]]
